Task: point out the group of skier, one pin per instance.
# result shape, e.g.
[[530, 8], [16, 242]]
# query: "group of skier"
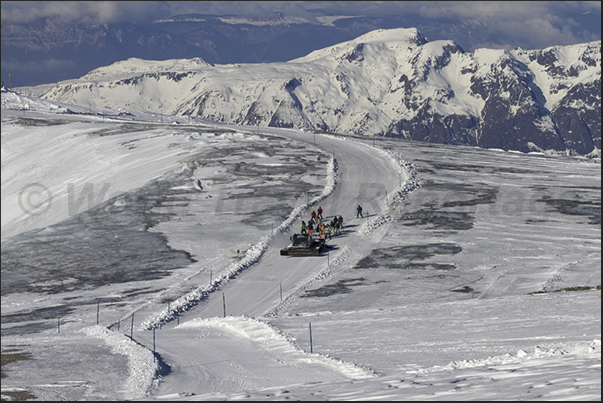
[[318, 226]]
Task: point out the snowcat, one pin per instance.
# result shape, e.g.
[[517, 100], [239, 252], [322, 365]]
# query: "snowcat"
[[304, 245]]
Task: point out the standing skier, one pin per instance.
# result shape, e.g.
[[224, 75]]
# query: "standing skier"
[[303, 229], [320, 212], [359, 211]]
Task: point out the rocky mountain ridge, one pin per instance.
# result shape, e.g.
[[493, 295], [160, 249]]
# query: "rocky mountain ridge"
[[391, 83]]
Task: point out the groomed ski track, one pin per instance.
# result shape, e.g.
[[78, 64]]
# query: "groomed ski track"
[[255, 291], [242, 344]]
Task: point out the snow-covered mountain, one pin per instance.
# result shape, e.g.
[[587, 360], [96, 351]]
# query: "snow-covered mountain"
[[390, 83]]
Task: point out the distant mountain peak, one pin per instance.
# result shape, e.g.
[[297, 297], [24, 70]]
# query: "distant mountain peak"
[[386, 82], [136, 66], [353, 50], [406, 35]]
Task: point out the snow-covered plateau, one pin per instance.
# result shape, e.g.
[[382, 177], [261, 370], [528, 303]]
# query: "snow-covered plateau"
[[140, 261]]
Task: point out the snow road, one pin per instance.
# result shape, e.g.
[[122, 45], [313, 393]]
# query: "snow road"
[[360, 180], [256, 291]]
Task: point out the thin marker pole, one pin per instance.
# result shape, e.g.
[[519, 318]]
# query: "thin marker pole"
[[281, 289], [132, 327], [224, 303], [59, 325], [311, 348], [97, 309], [153, 344]]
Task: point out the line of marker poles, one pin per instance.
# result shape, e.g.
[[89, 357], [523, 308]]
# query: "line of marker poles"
[[178, 316], [119, 321]]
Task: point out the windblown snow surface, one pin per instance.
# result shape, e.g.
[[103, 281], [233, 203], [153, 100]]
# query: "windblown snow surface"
[[140, 260]]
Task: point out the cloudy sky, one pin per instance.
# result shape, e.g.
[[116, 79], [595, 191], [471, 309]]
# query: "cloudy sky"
[[471, 24], [537, 23]]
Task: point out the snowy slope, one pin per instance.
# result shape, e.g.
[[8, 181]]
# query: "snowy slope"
[[427, 297]]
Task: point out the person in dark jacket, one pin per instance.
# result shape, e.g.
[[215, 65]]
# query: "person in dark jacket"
[[359, 211]]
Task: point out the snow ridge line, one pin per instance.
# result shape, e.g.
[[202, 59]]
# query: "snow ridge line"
[[252, 255], [357, 370], [396, 201], [265, 333], [592, 347], [142, 369]]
